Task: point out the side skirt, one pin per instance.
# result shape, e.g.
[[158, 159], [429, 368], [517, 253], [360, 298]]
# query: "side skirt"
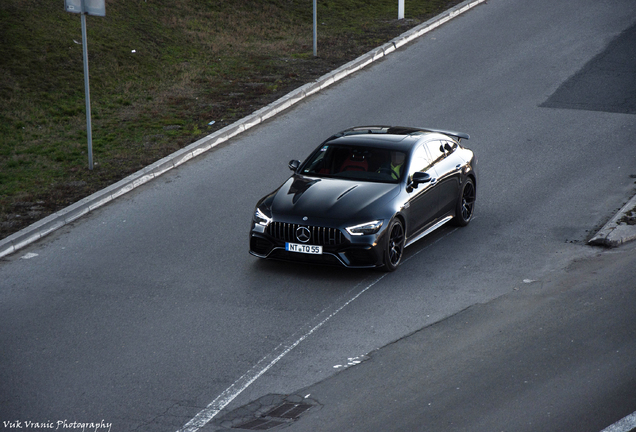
[[429, 230]]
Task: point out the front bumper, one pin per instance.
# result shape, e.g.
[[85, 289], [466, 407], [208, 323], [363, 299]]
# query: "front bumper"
[[363, 251]]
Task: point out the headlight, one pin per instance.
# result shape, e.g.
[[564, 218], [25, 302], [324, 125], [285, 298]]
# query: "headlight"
[[261, 218], [365, 228]]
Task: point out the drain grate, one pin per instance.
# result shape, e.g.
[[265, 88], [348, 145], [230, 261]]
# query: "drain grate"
[[288, 411], [259, 424], [275, 417], [270, 412]]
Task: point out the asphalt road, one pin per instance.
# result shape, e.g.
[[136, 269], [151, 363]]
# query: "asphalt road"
[[148, 310], [556, 354]]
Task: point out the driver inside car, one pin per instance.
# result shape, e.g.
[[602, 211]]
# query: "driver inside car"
[[394, 165]]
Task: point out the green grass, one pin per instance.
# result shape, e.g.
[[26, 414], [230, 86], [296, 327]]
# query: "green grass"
[[194, 61]]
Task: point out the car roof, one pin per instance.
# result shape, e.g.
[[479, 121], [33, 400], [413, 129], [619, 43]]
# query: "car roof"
[[393, 137]]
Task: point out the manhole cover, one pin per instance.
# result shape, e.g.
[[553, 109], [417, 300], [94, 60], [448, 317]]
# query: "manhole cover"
[[268, 412]]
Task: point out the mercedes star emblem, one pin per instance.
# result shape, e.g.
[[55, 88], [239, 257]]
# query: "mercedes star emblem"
[[303, 234]]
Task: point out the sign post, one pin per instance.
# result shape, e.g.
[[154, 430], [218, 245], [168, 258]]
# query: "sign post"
[[400, 9], [86, 7], [315, 28]]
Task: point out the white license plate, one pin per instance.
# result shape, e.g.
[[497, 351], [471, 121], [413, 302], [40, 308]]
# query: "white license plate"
[[301, 248]]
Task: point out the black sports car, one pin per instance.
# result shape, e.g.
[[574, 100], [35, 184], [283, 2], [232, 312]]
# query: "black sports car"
[[364, 195]]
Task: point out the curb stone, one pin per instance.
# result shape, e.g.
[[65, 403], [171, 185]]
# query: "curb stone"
[[57, 220], [616, 232]]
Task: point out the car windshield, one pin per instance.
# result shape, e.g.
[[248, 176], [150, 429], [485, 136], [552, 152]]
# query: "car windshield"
[[356, 163]]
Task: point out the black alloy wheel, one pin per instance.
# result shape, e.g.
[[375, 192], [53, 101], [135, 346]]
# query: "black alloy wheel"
[[466, 203], [395, 245]]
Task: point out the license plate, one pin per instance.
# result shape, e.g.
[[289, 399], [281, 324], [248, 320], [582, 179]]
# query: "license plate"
[[301, 248]]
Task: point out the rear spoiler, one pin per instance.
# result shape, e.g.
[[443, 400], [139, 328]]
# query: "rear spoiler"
[[398, 130], [459, 135]]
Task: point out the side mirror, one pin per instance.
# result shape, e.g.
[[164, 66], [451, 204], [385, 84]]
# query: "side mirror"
[[418, 178], [294, 164]]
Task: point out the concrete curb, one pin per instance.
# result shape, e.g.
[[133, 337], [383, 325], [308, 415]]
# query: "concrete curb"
[[615, 232], [57, 220]]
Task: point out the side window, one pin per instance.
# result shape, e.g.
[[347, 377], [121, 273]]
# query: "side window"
[[434, 148], [453, 145], [420, 160]]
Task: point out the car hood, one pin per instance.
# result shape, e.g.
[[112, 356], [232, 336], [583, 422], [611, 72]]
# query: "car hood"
[[324, 198]]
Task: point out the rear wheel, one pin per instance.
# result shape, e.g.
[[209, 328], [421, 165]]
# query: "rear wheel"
[[466, 203], [395, 245]]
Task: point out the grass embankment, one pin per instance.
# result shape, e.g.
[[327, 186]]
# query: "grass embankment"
[[160, 71]]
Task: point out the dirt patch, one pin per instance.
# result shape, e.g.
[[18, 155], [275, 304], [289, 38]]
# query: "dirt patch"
[[629, 218]]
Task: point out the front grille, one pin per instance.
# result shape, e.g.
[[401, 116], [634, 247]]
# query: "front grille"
[[318, 235]]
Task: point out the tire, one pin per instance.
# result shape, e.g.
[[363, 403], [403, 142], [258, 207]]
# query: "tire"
[[394, 245], [466, 203]]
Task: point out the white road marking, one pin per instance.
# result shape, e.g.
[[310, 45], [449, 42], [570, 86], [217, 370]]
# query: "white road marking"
[[29, 255], [209, 412], [625, 425], [266, 363]]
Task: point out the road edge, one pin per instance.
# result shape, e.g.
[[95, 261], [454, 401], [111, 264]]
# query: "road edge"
[[55, 221], [617, 232]]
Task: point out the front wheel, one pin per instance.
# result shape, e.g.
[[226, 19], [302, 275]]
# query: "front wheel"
[[395, 245], [466, 203]]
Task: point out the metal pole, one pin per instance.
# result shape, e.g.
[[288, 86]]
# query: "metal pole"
[[315, 29], [87, 91], [400, 9]]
